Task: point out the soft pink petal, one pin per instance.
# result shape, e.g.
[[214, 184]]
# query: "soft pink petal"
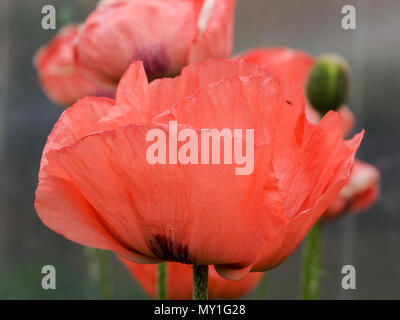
[[217, 39]]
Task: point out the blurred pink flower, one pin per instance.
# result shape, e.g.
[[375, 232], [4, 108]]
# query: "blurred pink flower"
[[61, 79], [360, 193], [165, 35]]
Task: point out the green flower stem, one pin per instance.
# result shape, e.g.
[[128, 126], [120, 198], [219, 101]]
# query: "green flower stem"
[[162, 281], [200, 282], [105, 274], [312, 261], [99, 271], [262, 288]]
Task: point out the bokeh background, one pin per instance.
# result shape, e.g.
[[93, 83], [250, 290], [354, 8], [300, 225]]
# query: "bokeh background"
[[369, 241]]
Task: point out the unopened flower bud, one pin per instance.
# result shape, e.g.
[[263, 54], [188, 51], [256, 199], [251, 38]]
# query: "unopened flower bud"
[[328, 83]]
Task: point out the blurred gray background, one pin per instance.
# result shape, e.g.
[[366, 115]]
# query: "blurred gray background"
[[369, 241]]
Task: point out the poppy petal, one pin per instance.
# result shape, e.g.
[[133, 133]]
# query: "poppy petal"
[[80, 221], [287, 241], [215, 35]]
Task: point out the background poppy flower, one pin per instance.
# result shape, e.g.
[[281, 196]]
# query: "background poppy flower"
[[165, 34], [61, 80], [360, 193], [295, 66], [96, 187], [180, 281]]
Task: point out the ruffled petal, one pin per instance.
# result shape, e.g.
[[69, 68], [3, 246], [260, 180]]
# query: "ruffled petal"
[[79, 221], [139, 102], [287, 241], [56, 194], [78, 121], [284, 244], [261, 103], [347, 118], [131, 99], [320, 157], [165, 93]]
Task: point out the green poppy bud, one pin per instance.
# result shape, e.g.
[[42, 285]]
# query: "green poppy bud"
[[328, 83]]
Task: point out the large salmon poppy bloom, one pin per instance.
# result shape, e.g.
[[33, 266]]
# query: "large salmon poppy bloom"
[[180, 281], [295, 66], [97, 188], [61, 79], [165, 34]]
